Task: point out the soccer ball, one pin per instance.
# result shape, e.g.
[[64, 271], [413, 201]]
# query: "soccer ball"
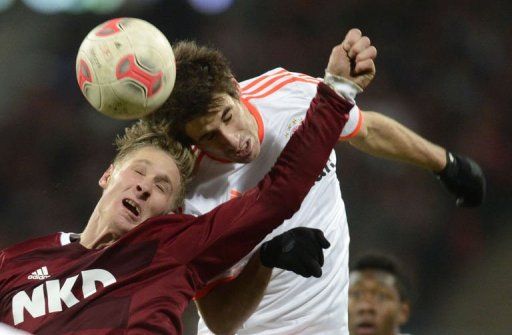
[[125, 68]]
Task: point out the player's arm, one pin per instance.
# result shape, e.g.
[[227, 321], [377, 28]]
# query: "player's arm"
[[384, 137], [228, 306], [299, 250]]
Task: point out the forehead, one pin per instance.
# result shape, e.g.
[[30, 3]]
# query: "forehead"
[[372, 278], [154, 157], [212, 118]]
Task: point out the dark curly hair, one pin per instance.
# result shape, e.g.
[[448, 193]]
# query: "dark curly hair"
[[387, 264], [201, 72]]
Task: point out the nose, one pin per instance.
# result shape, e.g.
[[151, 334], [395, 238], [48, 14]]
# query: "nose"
[[228, 138], [366, 305], [143, 191]]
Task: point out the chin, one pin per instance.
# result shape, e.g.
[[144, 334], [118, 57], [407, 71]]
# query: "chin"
[[254, 154]]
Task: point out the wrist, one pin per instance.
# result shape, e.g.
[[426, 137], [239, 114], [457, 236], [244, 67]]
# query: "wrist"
[[450, 166], [342, 86]]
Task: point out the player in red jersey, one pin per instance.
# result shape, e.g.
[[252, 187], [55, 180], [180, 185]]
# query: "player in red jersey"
[[133, 270]]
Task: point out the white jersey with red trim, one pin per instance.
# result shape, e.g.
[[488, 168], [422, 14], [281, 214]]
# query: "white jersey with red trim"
[[291, 304]]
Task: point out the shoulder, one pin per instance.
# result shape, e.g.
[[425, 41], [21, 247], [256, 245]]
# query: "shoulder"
[[277, 80], [281, 97], [29, 246]]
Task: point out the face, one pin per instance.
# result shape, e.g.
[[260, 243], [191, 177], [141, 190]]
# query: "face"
[[227, 132], [142, 185], [374, 304]]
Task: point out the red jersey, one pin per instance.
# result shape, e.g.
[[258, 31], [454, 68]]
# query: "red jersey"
[[142, 283]]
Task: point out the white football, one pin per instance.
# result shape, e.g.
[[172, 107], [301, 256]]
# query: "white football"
[[125, 68]]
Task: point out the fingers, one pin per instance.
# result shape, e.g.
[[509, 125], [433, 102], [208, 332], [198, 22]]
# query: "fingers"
[[368, 53], [315, 269], [351, 38], [324, 243], [366, 66], [314, 248], [309, 268], [360, 45]]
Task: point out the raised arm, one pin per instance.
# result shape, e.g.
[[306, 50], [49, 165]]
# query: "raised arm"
[[227, 306], [384, 137]]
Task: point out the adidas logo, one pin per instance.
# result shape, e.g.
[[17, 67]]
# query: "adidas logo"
[[39, 274]]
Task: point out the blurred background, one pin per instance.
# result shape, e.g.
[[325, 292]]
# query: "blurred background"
[[443, 70]]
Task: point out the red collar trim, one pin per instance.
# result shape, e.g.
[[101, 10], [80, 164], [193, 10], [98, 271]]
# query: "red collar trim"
[[257, 116]]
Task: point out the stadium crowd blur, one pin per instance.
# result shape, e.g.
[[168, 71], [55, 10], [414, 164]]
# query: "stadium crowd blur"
[[443, 70]]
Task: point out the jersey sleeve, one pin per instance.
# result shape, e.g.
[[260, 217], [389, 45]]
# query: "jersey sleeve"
[[230, 231], [353, 125]]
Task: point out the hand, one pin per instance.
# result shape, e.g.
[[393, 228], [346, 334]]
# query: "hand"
[[353, 59], [298, 250], [464, 178]]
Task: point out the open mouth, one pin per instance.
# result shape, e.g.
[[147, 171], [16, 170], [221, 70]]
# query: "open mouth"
[[245, 148], [366, 328], [132, 206]]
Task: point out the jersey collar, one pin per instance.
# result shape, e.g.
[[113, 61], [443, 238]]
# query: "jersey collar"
[[257, 116]]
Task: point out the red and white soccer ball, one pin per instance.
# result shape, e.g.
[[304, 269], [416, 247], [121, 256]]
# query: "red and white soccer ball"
[[125, 68]]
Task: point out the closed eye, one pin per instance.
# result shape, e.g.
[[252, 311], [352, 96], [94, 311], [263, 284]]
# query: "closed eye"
[[226, 114]]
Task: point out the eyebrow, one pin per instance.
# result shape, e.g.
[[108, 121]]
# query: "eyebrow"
[[143, 161]]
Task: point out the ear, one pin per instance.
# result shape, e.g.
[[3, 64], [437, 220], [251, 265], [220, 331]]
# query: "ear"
[[405, 310], [103, 182], [235, 83]]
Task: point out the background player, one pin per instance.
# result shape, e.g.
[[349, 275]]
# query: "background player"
[[134, 268], [240, 131], [378, 298]]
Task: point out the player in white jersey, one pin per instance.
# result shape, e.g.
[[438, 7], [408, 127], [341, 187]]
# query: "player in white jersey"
[[240, 130]]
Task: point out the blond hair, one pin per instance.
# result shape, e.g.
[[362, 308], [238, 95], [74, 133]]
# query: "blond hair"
[[142, 134]]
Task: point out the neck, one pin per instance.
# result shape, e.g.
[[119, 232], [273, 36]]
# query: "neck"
[[96, 234]]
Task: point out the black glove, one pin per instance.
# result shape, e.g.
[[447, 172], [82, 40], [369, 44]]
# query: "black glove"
[[464, 178], [298, 250]]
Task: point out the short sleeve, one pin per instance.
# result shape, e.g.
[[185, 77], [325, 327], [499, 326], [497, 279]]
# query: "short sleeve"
[[353, 125]]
